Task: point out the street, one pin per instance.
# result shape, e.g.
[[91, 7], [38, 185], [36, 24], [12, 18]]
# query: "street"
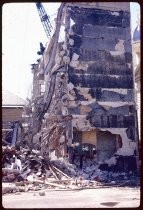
[[107, 197]]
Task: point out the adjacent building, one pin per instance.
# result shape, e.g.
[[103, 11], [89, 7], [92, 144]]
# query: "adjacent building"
[[136, 67], [12, 109]]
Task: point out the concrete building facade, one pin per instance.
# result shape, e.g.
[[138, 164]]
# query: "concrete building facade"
[[89, 88]]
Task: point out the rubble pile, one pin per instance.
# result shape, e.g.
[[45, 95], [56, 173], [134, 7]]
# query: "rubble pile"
[[24, 169], [19, 163], [91, 171]]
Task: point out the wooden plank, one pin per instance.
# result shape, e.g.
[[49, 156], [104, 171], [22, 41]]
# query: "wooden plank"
[[62, 172], [54, 173], [48, 183]]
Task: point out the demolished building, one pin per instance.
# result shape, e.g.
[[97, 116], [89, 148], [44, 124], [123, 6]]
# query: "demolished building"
[[89, 86]]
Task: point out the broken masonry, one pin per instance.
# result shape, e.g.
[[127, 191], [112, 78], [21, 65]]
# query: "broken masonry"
[[89, 88]]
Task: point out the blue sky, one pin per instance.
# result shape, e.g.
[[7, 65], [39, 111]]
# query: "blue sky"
[[22, 32]]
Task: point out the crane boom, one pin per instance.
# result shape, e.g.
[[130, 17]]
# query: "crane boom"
[[45, 19]]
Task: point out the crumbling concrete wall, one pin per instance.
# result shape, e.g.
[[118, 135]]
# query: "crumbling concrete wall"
[[89, 80], [101, 89]]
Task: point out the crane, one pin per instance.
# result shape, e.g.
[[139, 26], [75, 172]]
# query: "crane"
[[45, 19]]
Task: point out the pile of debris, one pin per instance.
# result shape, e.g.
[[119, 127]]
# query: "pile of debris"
[[24, 169], [91, 171], [27, 170]]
